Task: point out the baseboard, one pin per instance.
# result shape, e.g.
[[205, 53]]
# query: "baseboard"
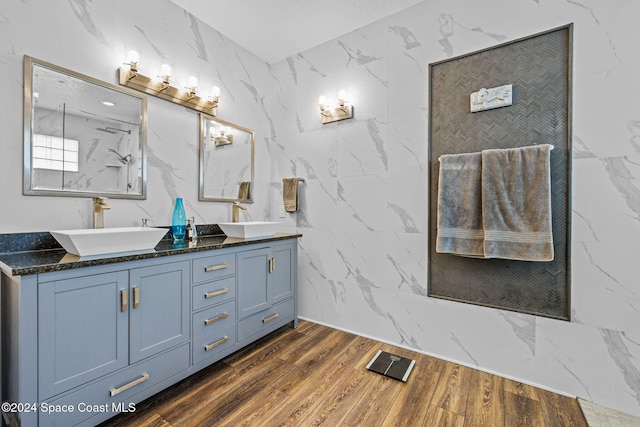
[[437, 356]]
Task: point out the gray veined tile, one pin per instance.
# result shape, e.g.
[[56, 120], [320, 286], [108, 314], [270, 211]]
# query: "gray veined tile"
[[618, 348], [410, 41], [83, 12]]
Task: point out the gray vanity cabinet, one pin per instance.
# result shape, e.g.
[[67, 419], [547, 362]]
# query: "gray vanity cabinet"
[[105, 337], [266, 289]]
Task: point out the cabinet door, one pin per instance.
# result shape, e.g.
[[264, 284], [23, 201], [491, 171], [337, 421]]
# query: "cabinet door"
[[252, 281], [159, 314], [281, 280], [82, 330]]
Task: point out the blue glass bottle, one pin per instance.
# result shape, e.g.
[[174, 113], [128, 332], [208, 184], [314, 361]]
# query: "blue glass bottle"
[[179, 221]]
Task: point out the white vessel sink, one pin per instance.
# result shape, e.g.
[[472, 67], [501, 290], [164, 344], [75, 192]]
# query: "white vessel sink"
[[249, 230], [103, 241]]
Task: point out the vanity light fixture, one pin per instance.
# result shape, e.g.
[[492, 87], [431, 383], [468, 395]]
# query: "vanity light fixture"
[[160, 86], [342, 111]]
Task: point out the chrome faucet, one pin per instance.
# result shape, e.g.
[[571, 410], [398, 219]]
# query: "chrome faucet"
[[235, 211], [99, 206]]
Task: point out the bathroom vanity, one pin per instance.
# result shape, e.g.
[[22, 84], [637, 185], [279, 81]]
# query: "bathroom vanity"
[[86, 340]]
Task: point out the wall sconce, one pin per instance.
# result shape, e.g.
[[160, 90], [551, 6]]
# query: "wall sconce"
[[128, 75], [342, 111], [220, 136]]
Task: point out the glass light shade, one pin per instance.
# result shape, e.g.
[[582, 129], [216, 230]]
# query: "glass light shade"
[[215, 91]]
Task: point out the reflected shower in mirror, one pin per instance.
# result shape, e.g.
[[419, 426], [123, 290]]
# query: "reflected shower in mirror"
[[83, 137], [226, 161]]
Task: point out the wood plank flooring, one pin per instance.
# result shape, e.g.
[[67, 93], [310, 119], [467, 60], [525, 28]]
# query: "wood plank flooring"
[[316, 376]]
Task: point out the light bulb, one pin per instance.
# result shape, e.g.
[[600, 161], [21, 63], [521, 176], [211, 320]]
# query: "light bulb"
[[342, 95], [133, 56], [192, 82], [165, 70], [322, 100], [215, 91]]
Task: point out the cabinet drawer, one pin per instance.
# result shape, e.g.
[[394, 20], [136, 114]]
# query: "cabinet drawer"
[[209, 345], [278, 315], [212, 293], [116, 391], [213, 267], [214, 318]]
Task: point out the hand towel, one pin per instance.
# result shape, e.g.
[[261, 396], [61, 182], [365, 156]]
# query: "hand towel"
[[244, 191], [516, 203], [290, 194], [459, 212]]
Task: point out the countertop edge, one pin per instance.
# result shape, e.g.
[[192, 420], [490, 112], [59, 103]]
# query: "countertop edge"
[[52, 267]]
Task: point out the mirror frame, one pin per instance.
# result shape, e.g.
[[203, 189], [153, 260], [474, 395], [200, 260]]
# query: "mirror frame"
[[28, 127], [201, 194]]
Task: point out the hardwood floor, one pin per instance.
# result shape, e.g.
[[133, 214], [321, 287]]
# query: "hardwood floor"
[[314, 375]]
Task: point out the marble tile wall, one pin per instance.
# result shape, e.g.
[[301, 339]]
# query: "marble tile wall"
[[364, 203], [89, 37], [363, 206]]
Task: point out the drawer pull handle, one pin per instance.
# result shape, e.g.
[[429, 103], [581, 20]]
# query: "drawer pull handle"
[[216, 267], [215, 344], [270, 318], [124, 303], [114, 391], [216, 293], [215, 319]]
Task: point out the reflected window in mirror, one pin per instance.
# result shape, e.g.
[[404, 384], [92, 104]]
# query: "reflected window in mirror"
[[226, 161], [82, 137]]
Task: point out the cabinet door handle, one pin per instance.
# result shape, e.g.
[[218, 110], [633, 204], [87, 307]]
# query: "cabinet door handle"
[[123, 300], [216, 267], [270, 318], [215, 344], [215, 319], [136, 297], [216, 293], [114, 391], [272, 265]]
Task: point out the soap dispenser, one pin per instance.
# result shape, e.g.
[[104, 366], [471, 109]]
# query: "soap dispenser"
[[188, 235], [194, 231]]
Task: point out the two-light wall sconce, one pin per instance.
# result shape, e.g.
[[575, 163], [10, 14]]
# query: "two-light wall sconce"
[[220, 136], [333, 113], [160, 86]]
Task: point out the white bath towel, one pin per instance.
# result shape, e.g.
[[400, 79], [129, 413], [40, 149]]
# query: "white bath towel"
[[459, 211], [516, 203]]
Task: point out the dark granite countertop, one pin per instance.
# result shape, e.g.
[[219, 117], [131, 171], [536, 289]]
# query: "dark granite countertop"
[[50, 256]]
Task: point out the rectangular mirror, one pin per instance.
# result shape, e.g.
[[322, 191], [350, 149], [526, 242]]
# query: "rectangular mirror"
[[226, 161], [82, 137]]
